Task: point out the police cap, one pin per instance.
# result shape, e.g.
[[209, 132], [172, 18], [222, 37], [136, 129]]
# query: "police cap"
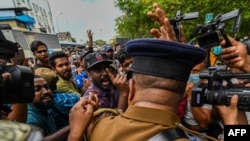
[[164, 58]]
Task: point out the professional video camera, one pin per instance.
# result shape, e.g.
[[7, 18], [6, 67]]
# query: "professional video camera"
[[175, 22], [209, 34], [214, 92], [20, 87]]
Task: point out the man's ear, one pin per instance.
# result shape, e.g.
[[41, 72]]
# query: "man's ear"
[[89, 76], [53, 69], [131, 92]]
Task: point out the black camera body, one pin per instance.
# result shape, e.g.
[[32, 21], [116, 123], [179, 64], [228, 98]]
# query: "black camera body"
[[209, 34], [19, 88], [175, 22], [215, 93]]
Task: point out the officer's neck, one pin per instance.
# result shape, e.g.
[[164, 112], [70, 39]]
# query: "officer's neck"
[[155, 106]]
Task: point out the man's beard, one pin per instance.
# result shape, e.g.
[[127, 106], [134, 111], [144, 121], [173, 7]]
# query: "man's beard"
[[45, 61], [98, 83], [67, 77], [43, 106]]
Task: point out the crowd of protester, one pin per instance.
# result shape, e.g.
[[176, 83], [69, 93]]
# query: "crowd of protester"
[[149, 81]]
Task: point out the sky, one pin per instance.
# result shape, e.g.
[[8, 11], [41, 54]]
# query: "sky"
[[81, 15]]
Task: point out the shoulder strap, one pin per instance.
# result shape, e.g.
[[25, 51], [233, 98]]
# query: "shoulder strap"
[[179, 132], [194, 133], [115, 112], [169, 135]]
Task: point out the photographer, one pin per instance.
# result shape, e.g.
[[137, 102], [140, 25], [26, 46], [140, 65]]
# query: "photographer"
[[14, 112], [16, 90]]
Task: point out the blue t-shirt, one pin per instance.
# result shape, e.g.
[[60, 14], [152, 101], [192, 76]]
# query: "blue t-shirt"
[[79, 79], [43, 120], [63, 102]]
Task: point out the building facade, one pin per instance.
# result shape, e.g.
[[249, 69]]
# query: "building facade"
[[30, 15]]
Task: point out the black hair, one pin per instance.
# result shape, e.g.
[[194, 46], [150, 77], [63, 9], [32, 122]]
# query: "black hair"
[[85, 54], [77, 63], [34, 45], [122, 55], [56, 54]]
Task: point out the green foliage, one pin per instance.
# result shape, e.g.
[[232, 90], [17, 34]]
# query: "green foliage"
[[134, 22], [73, 40], [100, 42]]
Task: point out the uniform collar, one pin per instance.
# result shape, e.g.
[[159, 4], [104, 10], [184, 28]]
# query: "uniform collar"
[[151, 115]]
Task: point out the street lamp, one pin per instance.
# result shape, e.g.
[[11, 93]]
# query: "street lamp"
[[57, 21]]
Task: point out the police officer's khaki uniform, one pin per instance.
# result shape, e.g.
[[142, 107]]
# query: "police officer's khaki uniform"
[[136, 124]]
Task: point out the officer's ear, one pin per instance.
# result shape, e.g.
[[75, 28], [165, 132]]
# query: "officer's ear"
[[131, 91]]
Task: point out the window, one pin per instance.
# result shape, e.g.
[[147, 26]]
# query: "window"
[[29, 3], [41, 10], [37, 7], [34, 6]]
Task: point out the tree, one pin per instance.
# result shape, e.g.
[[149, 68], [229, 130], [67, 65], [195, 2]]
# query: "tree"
[[73, 40], [134, 22], [100, 42]]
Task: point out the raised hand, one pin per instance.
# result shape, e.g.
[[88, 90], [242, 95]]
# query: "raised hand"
[[118, 80], [236, 56], [166, 31], [183, 38], [80, 116], [90, 34]]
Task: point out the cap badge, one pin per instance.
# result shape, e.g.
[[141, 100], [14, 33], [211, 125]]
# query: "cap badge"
[[98, 57]]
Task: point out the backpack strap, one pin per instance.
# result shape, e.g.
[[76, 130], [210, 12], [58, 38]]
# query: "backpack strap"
[[169, 135], [195, 133]]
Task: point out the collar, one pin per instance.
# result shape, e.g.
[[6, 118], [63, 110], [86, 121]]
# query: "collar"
[[64, 80], [35, 109], [151, 115], [38, 65]]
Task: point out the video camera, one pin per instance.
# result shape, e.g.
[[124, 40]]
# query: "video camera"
[[20, 87], [210, 33], [216, 93], [175, 22]]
